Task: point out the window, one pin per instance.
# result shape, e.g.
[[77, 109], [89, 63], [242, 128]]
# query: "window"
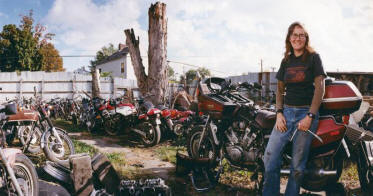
[[122, 67], [99, 70]]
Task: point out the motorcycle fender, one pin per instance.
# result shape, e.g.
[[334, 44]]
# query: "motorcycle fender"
[[42, 139], [214, 129], [124, 111], [157, 121], [369, 151]]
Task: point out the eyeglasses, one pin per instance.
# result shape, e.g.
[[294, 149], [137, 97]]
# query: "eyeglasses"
[[300, 36]]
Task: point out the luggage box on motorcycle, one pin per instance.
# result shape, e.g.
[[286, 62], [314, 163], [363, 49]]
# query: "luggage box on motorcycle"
[[341, 97]]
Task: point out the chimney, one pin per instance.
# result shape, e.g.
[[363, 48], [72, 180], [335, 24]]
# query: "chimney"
[[121, 46]]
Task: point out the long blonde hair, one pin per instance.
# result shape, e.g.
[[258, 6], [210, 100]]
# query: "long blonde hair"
[[289, 49]]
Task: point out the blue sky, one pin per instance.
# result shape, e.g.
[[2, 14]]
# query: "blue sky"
[[227, 36]]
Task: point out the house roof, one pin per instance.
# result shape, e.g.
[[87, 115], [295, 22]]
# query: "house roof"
[[115, 56]]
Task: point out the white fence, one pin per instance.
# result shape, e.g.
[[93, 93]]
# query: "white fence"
[[57, 84]]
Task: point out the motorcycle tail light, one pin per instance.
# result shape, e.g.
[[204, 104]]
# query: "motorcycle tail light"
[[334, 133]]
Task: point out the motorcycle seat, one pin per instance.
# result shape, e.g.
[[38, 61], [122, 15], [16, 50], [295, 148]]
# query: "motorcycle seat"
[[266, 119]]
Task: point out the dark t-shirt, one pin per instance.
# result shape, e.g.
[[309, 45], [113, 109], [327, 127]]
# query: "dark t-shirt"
[[298, 77]]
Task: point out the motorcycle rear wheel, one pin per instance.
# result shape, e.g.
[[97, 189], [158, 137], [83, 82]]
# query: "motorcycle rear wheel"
[[111, 125], [34, 146]]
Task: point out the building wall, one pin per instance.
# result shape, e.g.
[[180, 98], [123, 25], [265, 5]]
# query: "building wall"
[[114, 67], [57, 84]]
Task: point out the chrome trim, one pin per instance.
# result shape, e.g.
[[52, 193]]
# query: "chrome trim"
[[341, 99], [346, 147]]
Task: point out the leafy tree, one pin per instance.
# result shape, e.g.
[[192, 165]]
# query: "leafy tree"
[[103, 54], [191, 74], [52, 60], [170, 72], [24, 48]]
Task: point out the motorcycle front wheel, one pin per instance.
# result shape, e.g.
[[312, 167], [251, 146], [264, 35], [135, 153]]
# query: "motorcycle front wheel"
[[111, 125], [54, 151], [26, 176], [207, 149], [365, 175], [153, 134]]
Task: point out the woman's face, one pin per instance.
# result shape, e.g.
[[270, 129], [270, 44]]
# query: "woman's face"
[[298, 38]]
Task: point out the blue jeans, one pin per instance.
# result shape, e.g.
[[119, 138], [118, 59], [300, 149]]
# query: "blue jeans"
[[300, 151]]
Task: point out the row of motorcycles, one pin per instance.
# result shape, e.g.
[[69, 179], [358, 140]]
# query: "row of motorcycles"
[[237, 130], [137, 118]]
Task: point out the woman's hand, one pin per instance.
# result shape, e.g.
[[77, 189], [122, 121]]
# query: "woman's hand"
[[281, 123], [305, 123]]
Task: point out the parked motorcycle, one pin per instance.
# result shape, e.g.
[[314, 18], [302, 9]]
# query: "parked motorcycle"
[[17, 173], [238, 130]]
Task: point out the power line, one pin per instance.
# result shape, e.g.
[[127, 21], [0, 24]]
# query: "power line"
[[198, 66]]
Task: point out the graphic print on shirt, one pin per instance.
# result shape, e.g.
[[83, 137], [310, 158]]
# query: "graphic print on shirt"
[[295, 74]]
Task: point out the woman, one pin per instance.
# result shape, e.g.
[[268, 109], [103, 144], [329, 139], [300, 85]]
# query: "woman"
[[299, 93]]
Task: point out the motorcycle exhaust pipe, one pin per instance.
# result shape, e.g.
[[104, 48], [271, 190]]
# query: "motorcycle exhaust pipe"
[[317, 172]]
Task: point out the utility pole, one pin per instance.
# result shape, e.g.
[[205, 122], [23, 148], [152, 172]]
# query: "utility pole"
[[261, 66]]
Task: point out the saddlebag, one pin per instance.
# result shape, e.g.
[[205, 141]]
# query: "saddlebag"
[[341, 97]]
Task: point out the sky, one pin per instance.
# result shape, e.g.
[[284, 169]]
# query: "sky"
[[229, 37]]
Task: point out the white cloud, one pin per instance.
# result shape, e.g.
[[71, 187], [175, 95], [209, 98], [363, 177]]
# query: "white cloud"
[[230, 36]]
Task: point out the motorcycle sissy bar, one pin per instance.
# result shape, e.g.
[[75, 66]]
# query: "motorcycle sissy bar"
[[313, 134]]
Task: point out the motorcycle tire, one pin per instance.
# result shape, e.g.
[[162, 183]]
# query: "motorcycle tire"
[[111, 125], [26, 176], [54, 153], [365, 175], [207, 148], [153, 134], [74, 119], [322, 183], [34, 146], [336, 189]]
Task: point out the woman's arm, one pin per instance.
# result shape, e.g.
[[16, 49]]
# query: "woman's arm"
[[280, 95], [318, 94]]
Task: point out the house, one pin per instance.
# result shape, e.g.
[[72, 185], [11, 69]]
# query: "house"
[[116, 64], [82, 70]]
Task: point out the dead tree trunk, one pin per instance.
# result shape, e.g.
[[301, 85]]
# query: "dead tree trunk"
[[138, 67], [95, 82], [157, 52], [155, 82]]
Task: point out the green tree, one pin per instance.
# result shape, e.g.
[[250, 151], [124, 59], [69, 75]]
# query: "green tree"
[[103, 54], [170, 72], [21, 47], [191, 74]]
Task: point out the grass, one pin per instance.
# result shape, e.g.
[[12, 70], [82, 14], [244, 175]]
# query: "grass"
[[168, 153], [69, 126], [81, 147]]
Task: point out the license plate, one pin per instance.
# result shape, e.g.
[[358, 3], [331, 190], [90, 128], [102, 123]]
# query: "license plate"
[[157, 121]]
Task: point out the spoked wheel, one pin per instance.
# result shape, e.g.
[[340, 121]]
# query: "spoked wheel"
[[34, 143], [207, 149], [365, 174], [26, 176], [111, 125], [55, 151], [153, 134]]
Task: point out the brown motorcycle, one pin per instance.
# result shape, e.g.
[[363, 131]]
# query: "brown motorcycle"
[[237, 130]]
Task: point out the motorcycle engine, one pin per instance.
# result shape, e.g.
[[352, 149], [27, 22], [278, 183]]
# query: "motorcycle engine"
[[239, 147]]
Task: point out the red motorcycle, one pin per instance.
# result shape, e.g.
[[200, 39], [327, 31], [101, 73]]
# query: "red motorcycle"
[[238, 130], [174, 121]]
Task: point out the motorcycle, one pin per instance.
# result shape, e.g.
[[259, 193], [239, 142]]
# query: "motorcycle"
[[175, 121], [17, 173], [238, 130]]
